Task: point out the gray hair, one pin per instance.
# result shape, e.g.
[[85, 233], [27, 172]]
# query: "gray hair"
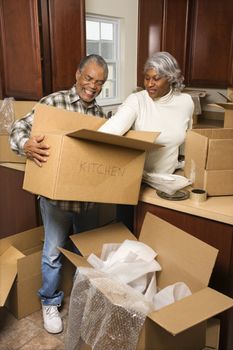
[[166, 66], [96, 59]]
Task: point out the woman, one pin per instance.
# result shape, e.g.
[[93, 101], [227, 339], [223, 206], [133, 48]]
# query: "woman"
[[160, 107]]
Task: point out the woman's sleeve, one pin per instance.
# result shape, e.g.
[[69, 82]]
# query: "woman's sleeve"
[[124, 118]]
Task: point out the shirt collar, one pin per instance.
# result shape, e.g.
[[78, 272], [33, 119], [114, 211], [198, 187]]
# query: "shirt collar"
[[74, 97]]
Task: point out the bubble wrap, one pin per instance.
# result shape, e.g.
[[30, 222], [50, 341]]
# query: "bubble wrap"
[[7, 115], [104, 313]]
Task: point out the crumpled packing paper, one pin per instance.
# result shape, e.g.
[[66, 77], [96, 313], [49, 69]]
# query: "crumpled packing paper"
[[110, 301], [133, 263]]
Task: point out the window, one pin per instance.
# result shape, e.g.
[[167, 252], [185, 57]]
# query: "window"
[[102, 38]]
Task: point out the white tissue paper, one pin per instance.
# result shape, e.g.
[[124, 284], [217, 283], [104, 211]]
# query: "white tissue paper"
[[170, 294], [134, 264], [168, 183]]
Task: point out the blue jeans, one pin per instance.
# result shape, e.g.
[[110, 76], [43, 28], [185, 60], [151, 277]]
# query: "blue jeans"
[[58, 225]]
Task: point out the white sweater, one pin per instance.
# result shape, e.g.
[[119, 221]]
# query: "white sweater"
[[170, 114]]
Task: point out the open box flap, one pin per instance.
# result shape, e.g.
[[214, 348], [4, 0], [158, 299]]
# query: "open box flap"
[[227, 105], [49, 118], [182, 256], [8, 271], [117, 140], [191, 310], [92, 241], [77, 260], [23, 241]]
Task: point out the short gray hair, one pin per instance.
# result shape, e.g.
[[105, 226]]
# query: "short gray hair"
[[166, 66], [98, 60]]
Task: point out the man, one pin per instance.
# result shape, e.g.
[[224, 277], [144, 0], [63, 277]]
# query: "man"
[[60, 218]]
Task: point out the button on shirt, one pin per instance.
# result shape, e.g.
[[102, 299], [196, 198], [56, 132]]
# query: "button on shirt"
[[21, 129]]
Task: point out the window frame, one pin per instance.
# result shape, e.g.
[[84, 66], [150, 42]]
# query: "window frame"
[[116, 59]]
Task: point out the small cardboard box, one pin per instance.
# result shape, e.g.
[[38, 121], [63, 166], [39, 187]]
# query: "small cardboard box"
[[228, 112], [20, 272], [85, 164], [209, 160], [21, 108], [180, 325]]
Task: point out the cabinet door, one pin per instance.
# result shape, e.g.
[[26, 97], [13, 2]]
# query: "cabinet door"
[[42, 42], [175, 30], [149, 32], [211, 51], [20, 49], [63, 39], [162, 26], [199, 34]]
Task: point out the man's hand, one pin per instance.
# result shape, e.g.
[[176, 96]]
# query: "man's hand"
[[36, 149]]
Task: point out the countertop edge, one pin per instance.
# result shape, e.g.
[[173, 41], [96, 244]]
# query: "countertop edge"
[[214, 212]]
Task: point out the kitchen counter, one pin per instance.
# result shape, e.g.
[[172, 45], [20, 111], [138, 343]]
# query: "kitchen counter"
[[214, 208]]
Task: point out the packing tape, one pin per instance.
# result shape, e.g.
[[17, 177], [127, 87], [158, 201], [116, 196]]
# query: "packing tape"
[[198, 195]]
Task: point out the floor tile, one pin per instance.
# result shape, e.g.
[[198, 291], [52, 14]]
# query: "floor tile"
[[28, 333], [44, 341], [14, 336]]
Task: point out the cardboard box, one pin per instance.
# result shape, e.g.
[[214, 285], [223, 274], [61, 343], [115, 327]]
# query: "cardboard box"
[[213, 334], [20, 267], [230, 93], [84, 164], [183, 258], [228, 113], [21, 108], [209, 160]]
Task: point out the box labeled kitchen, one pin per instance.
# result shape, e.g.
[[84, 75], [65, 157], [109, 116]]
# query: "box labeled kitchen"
[[85, 164]]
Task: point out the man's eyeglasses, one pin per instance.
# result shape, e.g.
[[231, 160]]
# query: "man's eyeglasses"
[[89, 79]]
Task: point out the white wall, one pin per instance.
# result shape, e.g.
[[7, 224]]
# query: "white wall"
[[127, 11]]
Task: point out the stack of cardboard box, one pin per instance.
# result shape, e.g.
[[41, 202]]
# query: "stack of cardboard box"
[[209, 160]]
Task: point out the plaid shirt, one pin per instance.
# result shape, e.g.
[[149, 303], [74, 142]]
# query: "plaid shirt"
[[21, 129]]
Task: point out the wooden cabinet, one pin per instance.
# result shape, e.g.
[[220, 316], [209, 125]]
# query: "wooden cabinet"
[[162, 26], [197, 32], [211, 44], [42, 42], [150, 14], [217, 234], [18, 209]]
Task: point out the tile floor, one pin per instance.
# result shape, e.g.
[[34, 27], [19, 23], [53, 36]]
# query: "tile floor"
[[28, 333]]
